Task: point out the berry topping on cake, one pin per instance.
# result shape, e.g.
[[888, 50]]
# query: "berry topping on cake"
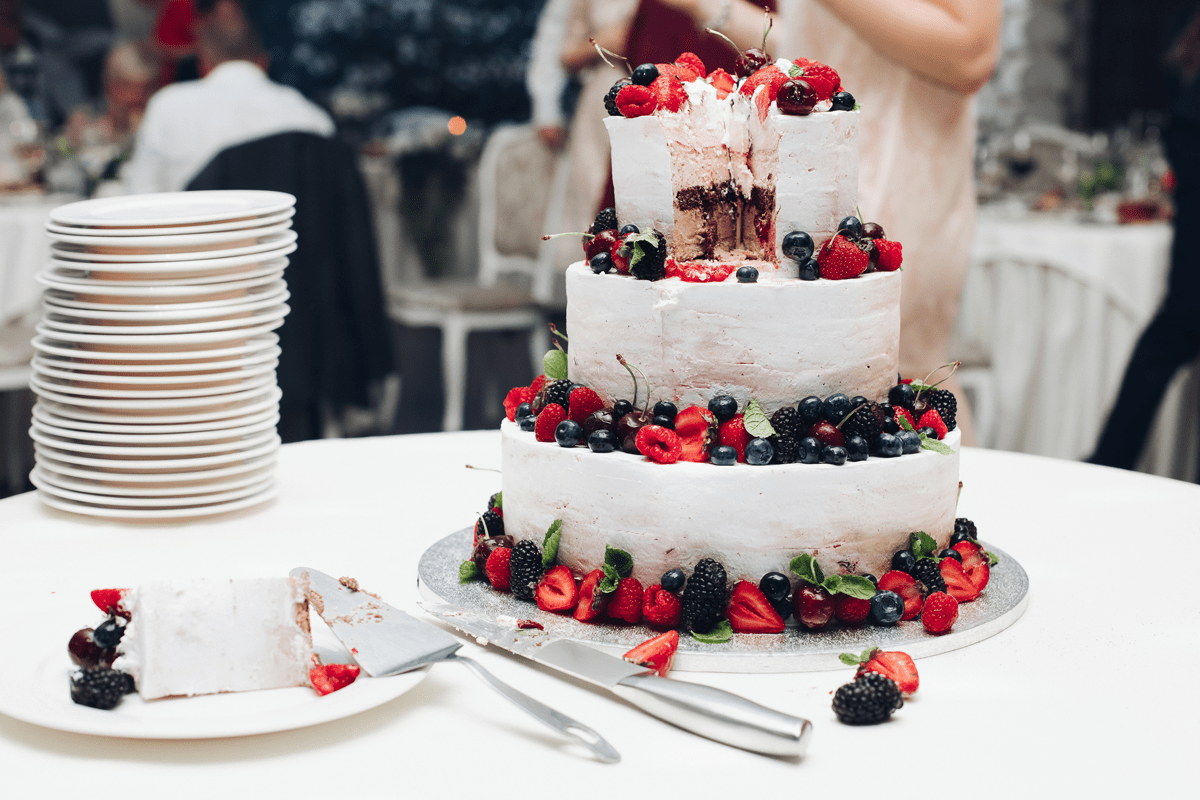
[[887, 608], [648, 257], [569, 433], [750, 611], [944, 402], [865, 421], [759, 452], [940, 612], [606, 220], [525, 569], [797, 97], [110, 601], [964, 531], [673, 580], [591, 601], [86, 653], [975, 563], [932, 419], [698, 271], [704, 596], [100, 688], [636, 101], [783, 448], [548, 421], [798, 246], [841, 258], [328, 678], [812, 606], [868, 700], [851, 610], [662, 608], [610, 99], [907, 588], [644, 74], [108, 633], [490, 523], [747, 274], [892, 664], [751, 61], [659, 444], [958, 585], [692, 62], [891, 254], [771, 76], [669, 93], [583, 402], [842, 101], [557, 592], [485, 547], [926, 571], [723, 82], [625, 603], [827, 434], [696, 428], [824, 79], [514, 399], [656, 653], [498, 568]]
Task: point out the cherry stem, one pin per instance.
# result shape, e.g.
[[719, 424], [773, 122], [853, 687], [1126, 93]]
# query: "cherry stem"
[[621, 360], [481, 469], [853, 411], [547, 237], [726, 38], [768, 23], [953, 365], [554, 330], [605, 52]]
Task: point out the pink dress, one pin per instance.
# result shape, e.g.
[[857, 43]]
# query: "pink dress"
[[916, 171]]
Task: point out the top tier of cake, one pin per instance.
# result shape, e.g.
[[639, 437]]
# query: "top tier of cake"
[[722, 181]]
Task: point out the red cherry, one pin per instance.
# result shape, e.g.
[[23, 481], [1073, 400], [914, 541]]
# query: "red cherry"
[[813, 607], [751, 61], [602, 242], [828, 434], [796, 97]]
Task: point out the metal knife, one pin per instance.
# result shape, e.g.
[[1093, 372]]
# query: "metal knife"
[[386, 641], [704, 710]]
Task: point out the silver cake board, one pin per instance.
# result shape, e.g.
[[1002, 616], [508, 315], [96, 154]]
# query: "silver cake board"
[[795, 650]]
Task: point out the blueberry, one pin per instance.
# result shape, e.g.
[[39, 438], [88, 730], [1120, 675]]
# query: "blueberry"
[[601, 263], [886, 608], [888, 446], [665, 408], [857, 448], [629, 229], [603, 441], [904, 561], [874, 581], [890, 425], [902, 395], [568, 433], [723, 455], [835, 408], [808, 451], [858, 400], [747, 275], [810, 409], [575, 386], [798, 246], [842, 101], [849, 226], [759, 452], [775, 585], [621, 408], [664, 421], [810, 270], [910, 442], [527, 423], [948, 553], [524, 410], [832, 454], [723, 407], [927, 432], [673, 580], [644, 75], [959, 536], [782, 607], [108, 633]]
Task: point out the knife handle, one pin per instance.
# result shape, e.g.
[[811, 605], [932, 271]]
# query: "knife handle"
[[717, 715]]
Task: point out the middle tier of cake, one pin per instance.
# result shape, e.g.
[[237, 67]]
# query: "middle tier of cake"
[[776, 341]]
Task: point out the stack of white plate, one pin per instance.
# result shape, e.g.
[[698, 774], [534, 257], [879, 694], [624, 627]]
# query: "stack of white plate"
[[155, 364]]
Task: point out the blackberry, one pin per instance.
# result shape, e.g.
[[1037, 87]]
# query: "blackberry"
[[704, 596], [866, 422], [610, 99], [786, 422], [869, 700], [555, 392], [490, 524], [526, 569], [492, 501], [606, 220], [964, 526], [652, 266], [927, 572], [946, 404], [99, 688], [785, 449]]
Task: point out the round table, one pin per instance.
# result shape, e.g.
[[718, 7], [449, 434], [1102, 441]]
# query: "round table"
[[1090, 691]]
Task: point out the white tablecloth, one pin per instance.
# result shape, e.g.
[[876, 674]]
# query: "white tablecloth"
[[1088, 694], [24, 250], [1051, 312]]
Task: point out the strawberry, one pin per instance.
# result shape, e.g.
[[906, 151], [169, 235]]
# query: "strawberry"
[[823, 79], [699, 271], [722, 81], [668, 91], [750, 611], [901, 411], [840, 259], [659, 444], [327, 678], [895, 665], [625, 603], [499, 573], [812, 606], [958, 584], [906, 586], [693, 62], [932, 419], [733, 433], [770, 76], [584, 402], [976, 563], [850, 610], [110, 601], [620, 255], [636, 101], [557, 592], [538, 383], [890, 255], [696, 428], [591, 603], [547, 421], [660, 608], [656, 653], [940, 612], [514, 398]]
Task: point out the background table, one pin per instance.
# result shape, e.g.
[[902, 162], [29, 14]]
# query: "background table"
[[1090, 691]]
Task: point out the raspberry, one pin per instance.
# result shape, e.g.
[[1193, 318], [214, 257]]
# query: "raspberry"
[[890, 255], [583, 403], [625, 603], [514, 398], [660, 608], [733, 433], [823, 79], [850, 610], [693, 62], [547, 421], [940, 612], [328, 678], [659, 444], [698, 271], [932, 419], [636, 101]]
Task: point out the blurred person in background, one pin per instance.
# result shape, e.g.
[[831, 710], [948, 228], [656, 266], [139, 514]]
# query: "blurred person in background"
[[14, 116], [50, 85], [1172, 338], [186, 124], [914, 66]]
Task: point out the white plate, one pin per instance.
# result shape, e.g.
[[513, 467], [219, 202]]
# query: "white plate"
[[167, 244], [161, 230], [152, 400], [230, 412], [157, 514], [184, 501], [162, 262], [156, 464], [151, 450], [199, 370], [45, 696], [191, 360], [167, 343], [81, 378], [59, 275], [49, 418], [193, 478], [189, 321], [211, 297], [110, 488], [172, 208], [70, 432]]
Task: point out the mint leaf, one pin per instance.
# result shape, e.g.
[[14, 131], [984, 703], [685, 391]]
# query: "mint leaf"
[[833, 585], [928, 443], [795, 71], [857, 106], [608, 584], [903, 422], [637, 243], [993, 559], [554, 364], [619, 560], [919, 387], [721, 633], [550, 544], [923, 545], [756, 422], [807, 569], [849, 659], [854, 586], [499, 501], [468, 571]]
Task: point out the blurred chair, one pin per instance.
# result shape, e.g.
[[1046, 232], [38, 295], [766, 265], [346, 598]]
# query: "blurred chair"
[[521, 184], [15, 372], [337, 348]]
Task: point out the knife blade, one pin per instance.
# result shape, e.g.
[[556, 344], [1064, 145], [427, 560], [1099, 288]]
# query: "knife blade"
[[704, 710], [386, 641]]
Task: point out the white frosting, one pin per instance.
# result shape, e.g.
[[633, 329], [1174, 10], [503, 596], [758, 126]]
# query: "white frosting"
[[208, 636], [753, 520], [777, 341]]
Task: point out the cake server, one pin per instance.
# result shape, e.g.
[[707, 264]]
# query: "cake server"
[[704, 710], [386, 641]]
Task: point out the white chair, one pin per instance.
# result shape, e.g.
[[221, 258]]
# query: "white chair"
[[520, 186]]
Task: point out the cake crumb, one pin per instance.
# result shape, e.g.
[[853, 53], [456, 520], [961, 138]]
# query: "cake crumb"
[[349, 583]]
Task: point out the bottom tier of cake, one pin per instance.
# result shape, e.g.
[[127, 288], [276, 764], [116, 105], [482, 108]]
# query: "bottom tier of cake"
[[851, 518]]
